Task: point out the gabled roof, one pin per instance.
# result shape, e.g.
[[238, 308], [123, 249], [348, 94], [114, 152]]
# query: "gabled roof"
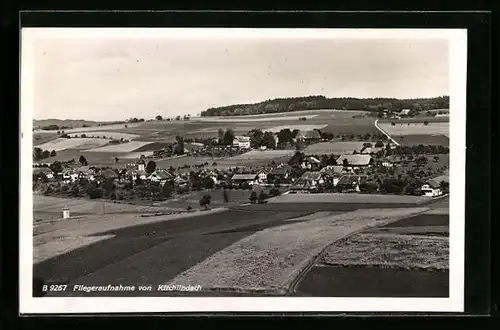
[[281, 170], [436, 182], [332, 172], [161, 174], [356, 160], [244, 177], [313, 134], [240, 138], [316, 175], [348, 180]]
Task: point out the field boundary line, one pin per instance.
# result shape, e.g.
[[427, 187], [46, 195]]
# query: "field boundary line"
[[294, 284], [385, 133]]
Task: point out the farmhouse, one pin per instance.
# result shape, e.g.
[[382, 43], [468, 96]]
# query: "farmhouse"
[[333, 174], [242, 142], [309, 181], [351, 183], [160, 176], [245, 178], [45, 170], [85, 172], [391, 161], [355, 161], [281, 172], [313, 135], [262, 175], [432, 187], [139, 174], [405, 112]]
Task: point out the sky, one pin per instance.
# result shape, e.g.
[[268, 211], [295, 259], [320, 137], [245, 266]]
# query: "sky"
[[99, 79]]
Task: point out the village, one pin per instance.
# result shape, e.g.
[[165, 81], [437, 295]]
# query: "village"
[[380, 167]]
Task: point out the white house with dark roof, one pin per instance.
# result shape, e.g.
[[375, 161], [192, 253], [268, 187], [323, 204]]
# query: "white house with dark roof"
[[242, 142], [245, 178], [432, 187], [160, 176], [141, 165]]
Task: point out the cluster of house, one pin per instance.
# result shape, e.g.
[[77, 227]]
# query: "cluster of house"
[[243, 142], [342, 176]]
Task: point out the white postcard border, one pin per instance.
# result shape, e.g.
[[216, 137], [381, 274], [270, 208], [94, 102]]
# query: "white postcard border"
[[458, 72]]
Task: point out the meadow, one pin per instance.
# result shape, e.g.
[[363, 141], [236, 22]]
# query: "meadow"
[[105, 135], [60, 144], [433, 132], [337, 148]]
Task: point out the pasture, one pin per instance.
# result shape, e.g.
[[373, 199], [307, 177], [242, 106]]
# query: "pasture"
[[39, 139], [411, 140], [60, 144], [337, 148], [292, 127], [263, 154], [416, 120], [94, 128], [106, 135], [436, 128], [93, 158], [348, 198], [253, 119], [121, 148]]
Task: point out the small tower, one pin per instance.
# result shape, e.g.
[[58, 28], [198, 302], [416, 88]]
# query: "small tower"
[[141, 165]]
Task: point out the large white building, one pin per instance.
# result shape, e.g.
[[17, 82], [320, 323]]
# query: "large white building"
[[242, 142]]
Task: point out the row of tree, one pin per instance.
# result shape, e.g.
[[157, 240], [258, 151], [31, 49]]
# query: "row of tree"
[[322, 102], [39, 154]]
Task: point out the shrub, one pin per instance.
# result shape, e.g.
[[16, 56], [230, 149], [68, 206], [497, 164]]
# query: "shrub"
[[189, 208]]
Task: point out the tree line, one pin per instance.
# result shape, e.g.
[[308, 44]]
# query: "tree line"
[[322, 102], [39, 154]]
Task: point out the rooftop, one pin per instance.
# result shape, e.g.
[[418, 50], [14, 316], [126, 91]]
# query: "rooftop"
[[359, 159]]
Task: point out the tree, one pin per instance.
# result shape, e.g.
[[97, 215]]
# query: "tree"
[[178, 118], [159, 117], [150, 167], [253, 197], [83, 135], [426, 123], [225, 195], [445, 186], [393, 123], [168, 189], [220, 134], [379, 144], [45, 154], [228, 137], [285, 136], [126, 126], [268, 140], [53, 153], [37, 153], [436, 159], [56, 167], [262, 197], [256, 136], [205, 201], [117, 159], [83, 160]]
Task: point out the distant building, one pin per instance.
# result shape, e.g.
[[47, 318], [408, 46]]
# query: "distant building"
[[313, 135], [160, 176], [351, 183], [244, 178], [281, 172], [141, 165], [356, 161], [432, 187], [309, 181], [242, 142], [405, 112]]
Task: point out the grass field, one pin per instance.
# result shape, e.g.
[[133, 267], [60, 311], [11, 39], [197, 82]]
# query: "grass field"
[[94, 128], [271, 259], [433, 139], [121, 148], [263, 154], [389, 250], [416, 120], [251, 118], [107, 134], [348, 198], [292, 127], [39, 138], [338, 148], [93, 158], [439, 128], [60, 144]]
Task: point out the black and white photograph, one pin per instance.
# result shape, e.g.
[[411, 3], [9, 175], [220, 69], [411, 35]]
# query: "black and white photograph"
[[253, 167]]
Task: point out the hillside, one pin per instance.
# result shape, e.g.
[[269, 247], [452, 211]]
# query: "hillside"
[[321, 102], [57, 124]]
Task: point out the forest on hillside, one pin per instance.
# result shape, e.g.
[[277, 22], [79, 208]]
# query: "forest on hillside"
[[322, 102]]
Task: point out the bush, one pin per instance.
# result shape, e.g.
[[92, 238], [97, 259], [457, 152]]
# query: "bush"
[[189, 208], [274, 192]]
